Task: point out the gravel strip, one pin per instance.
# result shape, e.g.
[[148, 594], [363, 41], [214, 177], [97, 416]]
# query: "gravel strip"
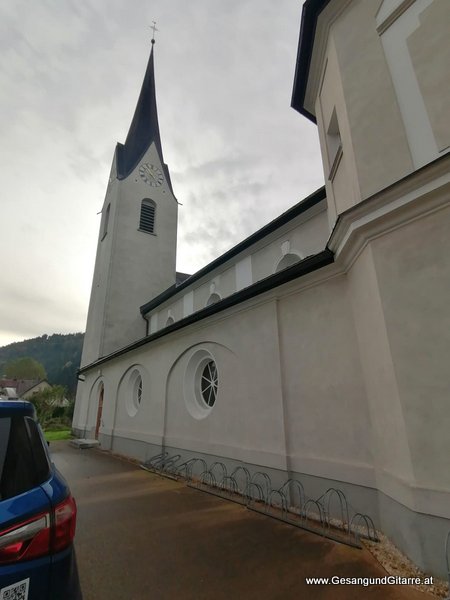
[[397, 564]]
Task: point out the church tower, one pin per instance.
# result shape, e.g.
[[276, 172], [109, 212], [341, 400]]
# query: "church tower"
[[136, 250]]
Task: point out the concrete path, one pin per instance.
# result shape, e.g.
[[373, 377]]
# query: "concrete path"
[[140, 537]]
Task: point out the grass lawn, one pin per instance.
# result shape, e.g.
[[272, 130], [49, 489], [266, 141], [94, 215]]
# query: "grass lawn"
[[52, 436]]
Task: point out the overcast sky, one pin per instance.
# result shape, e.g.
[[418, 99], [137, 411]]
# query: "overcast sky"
[[70, 76]]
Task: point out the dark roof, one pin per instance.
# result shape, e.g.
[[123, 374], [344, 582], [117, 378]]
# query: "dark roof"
[[287, 216], [310, 14], [303, 267], [144, 128], [21, 385], [180, 277]]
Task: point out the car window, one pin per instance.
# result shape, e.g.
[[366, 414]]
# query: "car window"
[[22, 463], [38, 450]]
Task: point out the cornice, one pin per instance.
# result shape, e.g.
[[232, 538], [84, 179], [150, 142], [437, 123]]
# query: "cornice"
[[421, 193]]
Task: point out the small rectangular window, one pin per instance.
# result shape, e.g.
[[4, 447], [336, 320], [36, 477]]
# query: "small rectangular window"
[[147, 218], [334, 145]]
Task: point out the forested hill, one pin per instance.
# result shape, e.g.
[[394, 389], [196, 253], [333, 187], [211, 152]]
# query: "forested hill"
[[59, 353]]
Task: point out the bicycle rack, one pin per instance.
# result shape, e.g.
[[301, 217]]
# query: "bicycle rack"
[[328, 515]]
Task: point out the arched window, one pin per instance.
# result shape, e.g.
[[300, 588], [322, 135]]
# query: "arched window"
[[287, 261], [213, 299], [99, 409], [147, 218], [106, 221]]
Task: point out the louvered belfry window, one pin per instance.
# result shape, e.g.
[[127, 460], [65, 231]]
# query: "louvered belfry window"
[[106, 221], [147, 219]]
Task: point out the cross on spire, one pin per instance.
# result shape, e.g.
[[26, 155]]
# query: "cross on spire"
[[154, 29]]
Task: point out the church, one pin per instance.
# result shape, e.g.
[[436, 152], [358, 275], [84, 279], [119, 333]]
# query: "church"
[[318, 347]]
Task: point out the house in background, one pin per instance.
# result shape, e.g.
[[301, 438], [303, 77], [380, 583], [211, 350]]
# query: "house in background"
[[319, 347], [24, 388], [36, 388]]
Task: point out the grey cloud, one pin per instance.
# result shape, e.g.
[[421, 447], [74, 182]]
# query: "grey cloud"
[[70, 75]]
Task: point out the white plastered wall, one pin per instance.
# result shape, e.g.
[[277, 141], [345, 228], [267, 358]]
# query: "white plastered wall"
[[328, 426], [356, 83], [417, 50], [304, 238], [414, 293]]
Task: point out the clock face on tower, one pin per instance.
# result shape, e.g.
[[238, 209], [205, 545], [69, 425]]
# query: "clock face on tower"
[[151, 174]]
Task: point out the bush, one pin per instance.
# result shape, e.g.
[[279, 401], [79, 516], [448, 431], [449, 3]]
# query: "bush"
[[55, 425], [58, 412]]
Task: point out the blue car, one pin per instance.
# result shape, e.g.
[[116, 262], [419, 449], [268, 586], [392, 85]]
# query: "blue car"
[[37, 513]]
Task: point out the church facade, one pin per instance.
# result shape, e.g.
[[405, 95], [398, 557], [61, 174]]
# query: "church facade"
[[318, 347]]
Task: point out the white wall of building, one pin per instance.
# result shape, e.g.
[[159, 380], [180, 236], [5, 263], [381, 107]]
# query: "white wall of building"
[[340, 375]]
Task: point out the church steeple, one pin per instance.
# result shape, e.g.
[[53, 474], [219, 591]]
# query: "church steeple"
[[144, 128], [136, 252]]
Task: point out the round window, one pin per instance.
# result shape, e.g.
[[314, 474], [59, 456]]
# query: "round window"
[[138, 392], [209, 383], [201, 384], [134, 396]]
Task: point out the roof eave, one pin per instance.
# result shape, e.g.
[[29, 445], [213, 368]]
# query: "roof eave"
[[310, 14], [300, 269]]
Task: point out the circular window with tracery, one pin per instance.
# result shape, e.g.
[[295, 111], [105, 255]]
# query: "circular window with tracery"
[[138, 391], [201, 383], [135, 392], [209, 383]]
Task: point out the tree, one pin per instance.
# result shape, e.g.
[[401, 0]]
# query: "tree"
[[25, 368], [46, 401], [59, 354]]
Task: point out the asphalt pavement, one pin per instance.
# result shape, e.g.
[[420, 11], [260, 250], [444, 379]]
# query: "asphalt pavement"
[[143, 537]]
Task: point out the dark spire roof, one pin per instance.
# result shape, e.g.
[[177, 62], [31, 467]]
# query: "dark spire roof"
[[144, 128]]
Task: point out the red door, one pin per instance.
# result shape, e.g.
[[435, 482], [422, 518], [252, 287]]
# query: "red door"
[[99, 412]]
